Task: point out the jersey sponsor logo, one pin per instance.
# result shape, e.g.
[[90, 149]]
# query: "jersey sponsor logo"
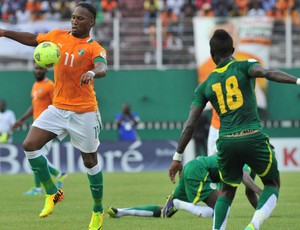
[[103, 54], [213, 186], [80, 52]]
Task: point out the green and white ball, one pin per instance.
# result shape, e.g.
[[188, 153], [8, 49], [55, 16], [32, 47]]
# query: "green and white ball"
[[46, 54]]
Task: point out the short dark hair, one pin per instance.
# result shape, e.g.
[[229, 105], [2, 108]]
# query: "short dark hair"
[[89, 7], [221, 43]]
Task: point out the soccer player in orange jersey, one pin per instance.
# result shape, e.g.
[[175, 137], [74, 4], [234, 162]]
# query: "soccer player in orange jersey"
[[42, 95], [74, 110]]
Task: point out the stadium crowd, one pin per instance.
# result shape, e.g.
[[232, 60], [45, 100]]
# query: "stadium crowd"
[[17, 11]]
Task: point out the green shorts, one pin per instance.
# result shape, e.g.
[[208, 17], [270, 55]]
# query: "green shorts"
[[253, 150], [195, 185]]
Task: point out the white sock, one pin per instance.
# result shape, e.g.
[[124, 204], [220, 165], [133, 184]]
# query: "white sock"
[[201, 211], [223, 226], [264, 212], [133, 212], [93, 171], [33, 154]]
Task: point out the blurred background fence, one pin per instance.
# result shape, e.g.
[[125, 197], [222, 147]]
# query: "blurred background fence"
[[132, 46]]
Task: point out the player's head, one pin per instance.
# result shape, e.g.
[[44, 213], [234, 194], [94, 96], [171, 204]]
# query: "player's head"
[[39, 72], [2, 105], [83, 19], [126, 108], [221, 45]]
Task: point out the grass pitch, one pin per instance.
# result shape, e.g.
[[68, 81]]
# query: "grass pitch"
[[18, 211]]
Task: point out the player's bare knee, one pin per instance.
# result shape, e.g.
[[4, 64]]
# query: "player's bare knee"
[[273, 183], [89, 162], [89, 159], [26, 146], [30, 146], [228, 191]]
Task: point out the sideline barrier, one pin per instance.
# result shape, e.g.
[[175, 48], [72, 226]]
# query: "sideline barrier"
[[131, 157]]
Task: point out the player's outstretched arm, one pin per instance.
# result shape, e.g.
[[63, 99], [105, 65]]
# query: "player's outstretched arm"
[[185, 137], [273, 75], [189, 127], [24, 38]]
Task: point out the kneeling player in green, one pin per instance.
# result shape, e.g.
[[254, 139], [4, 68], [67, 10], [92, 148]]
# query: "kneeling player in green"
[[196, 184]]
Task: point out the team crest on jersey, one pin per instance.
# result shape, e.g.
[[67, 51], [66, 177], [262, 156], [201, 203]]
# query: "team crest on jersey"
[[80, 52], [213, 186], [103, 54]]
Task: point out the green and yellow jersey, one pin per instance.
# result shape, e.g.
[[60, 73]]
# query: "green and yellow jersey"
[[230, 89]]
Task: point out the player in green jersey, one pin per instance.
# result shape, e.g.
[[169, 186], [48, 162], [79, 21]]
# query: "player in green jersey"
[[230, 89], [197, 184]]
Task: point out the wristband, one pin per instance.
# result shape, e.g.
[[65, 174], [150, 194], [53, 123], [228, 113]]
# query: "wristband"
[[91, 72], [177, 157], [298, 81]]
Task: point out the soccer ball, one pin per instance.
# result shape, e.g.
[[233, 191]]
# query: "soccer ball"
[[46, 54]]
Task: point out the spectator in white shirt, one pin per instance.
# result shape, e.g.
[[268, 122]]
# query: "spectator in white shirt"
[[7, 119], [175, 5], [256, 9], [23, 15]]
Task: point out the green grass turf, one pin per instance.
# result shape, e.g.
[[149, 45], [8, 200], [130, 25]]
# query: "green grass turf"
[[131, 189]]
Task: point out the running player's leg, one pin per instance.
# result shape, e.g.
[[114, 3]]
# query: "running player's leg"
[[86, 139], [265, 165], [222, 207], [47, 126], [266, 203], [32, 145], [95, 177], [230, 168]]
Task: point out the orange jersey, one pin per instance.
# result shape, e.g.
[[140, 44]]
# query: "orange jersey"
[[215, 119], [42, 95], [109, 6], [77, 57]]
